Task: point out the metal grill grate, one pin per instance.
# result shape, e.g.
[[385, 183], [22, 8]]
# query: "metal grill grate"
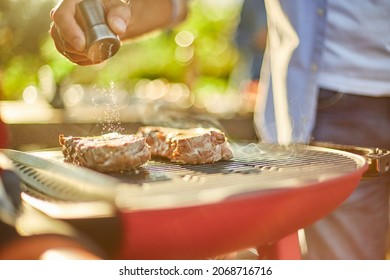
[[261, 159], [161, 184]]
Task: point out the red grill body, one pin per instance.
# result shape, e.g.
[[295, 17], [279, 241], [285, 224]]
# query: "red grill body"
[[206, 231]]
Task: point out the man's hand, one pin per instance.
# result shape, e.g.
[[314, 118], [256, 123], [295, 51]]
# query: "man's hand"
[[68, 36], [126, 18]]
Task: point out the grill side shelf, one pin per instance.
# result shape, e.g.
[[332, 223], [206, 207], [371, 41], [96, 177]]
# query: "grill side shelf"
[[61, 180]]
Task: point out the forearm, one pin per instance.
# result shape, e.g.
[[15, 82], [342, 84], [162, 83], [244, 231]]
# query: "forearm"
[[150, 15]]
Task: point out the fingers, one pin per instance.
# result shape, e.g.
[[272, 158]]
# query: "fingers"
[[68, 37], [66, 49], [63, 16], [118, 15]]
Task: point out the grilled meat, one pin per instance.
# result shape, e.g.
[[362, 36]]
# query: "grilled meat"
[[187, 146], [110, 152]]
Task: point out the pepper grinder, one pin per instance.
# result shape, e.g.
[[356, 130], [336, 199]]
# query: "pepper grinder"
[[101, 42]]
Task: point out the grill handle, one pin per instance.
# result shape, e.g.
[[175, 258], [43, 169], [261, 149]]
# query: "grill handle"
[[378, 159]]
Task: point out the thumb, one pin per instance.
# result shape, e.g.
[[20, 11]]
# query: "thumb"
[[118, 17]]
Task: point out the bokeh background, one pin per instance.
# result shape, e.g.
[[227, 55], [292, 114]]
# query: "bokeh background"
[[189, 66]]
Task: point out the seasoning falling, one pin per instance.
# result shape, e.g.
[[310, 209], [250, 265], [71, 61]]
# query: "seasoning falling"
[[109, 119]]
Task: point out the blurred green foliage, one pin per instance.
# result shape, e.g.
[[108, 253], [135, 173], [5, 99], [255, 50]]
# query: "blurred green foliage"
[[23, 26], [25, 46]]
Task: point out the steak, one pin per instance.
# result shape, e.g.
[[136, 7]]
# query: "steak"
[[187, 146], [110, 152]]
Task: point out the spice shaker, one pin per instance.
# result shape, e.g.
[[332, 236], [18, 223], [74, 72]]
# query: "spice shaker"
[[101, 42]]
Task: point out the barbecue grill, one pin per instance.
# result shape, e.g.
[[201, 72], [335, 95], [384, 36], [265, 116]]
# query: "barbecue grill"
[[176, 211]]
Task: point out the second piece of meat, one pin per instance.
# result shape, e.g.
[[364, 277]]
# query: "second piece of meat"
[[187, 146]]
